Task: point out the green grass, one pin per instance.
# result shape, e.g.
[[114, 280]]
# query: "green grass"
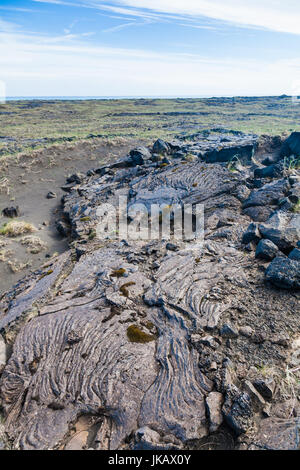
[[28, 125], [291, 163], [296, 208]]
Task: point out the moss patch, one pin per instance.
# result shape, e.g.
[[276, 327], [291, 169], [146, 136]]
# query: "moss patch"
[[118, 272], [46, 274], [123, 289], [92, 234], [136, 335]]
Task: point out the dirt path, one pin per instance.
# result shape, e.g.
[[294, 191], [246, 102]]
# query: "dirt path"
[[26, 181]]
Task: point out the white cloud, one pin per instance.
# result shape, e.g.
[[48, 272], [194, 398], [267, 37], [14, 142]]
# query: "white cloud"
[[37, 65], [129, 12], [271, 14], [274, 15]]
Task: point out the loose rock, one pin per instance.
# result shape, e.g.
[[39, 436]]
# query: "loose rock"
[[51, 195], [266, 250], [140, 155], [3, 354], [251, 235], [284, 273], [237, 410], [254, 394], [11, 212], [161, 147], [265, 387], [246, 331], [214, 402], [228, 331], [295, 254]]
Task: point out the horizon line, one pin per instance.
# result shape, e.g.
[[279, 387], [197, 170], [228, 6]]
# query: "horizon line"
[[112, 97]]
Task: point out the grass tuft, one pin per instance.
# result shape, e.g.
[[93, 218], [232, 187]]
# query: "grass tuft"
[[16, 228], [34, 244]]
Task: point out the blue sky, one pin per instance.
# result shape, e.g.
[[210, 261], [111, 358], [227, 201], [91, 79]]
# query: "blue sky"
[[149, 47]]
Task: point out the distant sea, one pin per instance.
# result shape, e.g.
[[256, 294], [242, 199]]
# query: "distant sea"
[[71, 98]]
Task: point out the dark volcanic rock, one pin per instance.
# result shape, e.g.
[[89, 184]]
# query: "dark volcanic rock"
[[140, 155], [269, 194], [11, 212], [270, 160], [252, 234], [76, 178], [161, 147], [228, 331], [284, 238], [295, 254], [103, 332], [265, 387], [243, 152], [284, 273], [257, 400], [283, 229], [294, 194], [272, 171], [291, 146], [259, 213], [237, 410], [51, 195], [63, 228], [266, 250], [67, 188], [120, 336], [34, 289]]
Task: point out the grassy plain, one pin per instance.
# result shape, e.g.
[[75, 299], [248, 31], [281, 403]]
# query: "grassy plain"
[[28, 125]]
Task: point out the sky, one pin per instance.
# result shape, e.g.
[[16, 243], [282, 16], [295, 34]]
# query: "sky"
[[149, 47]]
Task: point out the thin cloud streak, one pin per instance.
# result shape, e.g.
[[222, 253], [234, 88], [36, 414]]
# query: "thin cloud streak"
[[268, 14], [16, 9], [120, 27], [262, 14]]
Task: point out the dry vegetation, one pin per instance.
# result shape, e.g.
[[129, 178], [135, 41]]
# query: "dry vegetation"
[[17, 266], [15, 228], [29, 125], [34, 244]]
